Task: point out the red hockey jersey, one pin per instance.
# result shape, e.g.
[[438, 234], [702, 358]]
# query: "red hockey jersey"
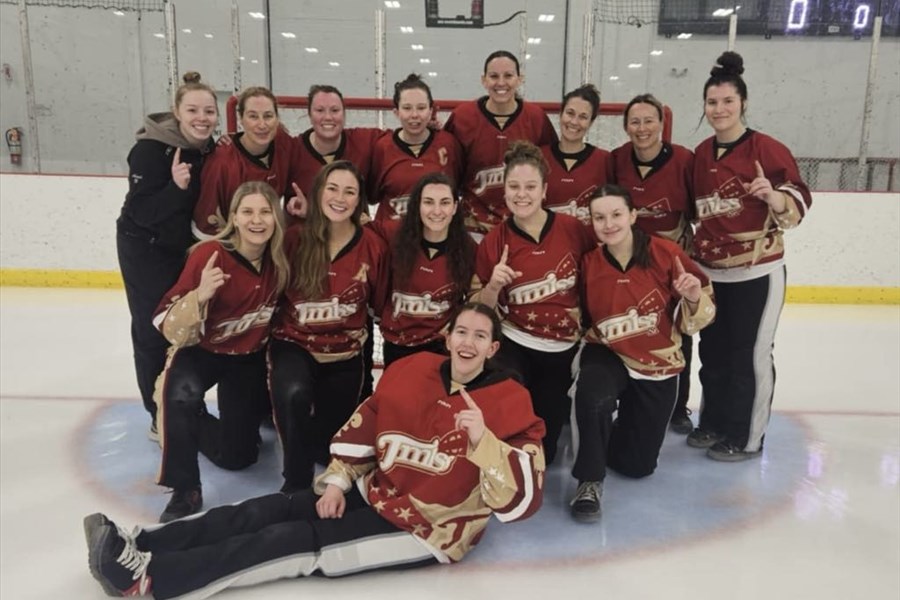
[[417, 470], [664, 196], [636, 311], [226, 169], [737, 229], [543, 303], [484, 144], [356, 146], [396, 169], [419, 311], [333, 327], [569, 189], [235, 320]]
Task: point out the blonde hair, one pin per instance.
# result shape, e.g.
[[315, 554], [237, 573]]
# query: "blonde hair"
[[231, 239]]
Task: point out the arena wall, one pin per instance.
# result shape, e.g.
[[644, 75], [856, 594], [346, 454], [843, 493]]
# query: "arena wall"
[[60, 231]]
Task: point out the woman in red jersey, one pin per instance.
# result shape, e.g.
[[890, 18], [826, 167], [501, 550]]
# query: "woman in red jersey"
[[528, 268], [577, 168], [326, 141], [260, 152], [415, 476], [659, 177], [485, 128], [432, 263], [401, 159], [641, 292], [338, 273], [217, 319], [748, 191]]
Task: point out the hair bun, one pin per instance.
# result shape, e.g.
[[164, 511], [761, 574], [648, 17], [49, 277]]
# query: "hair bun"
[[729, 63], [191, 77]]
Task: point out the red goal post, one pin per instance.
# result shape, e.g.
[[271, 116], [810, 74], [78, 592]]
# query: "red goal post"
[[291, 103]]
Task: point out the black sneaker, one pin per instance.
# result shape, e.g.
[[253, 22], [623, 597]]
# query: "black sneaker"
[[727, 452], [681, 422], [114, 559], [586, 503], [182, 504], [700, 438]]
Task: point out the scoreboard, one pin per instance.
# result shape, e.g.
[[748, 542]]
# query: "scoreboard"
[[839, 18]]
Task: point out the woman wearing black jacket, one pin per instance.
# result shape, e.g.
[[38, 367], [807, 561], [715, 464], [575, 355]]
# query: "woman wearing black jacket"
[[153, 231]]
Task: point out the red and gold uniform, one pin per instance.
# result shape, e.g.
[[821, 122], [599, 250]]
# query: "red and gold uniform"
[[735, 228], [235, 320], [333, 327], [230, 166], [415, 493], [356, 146], [217, 344], [573, 178], [484, 144], [398, 166], [414, 467], [662, 190], [739, 244], [636, 311], [541, 308]]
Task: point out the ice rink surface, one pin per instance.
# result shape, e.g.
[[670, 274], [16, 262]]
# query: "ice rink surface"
[[818, 516]]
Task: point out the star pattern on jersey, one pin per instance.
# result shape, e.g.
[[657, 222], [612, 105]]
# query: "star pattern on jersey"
[[379, 506], [392, 492], [403, 513], [496, 474], [532, 316], [419, 530], [747, 245]]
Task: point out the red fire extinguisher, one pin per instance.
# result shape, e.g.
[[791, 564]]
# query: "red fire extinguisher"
[[14, 142]]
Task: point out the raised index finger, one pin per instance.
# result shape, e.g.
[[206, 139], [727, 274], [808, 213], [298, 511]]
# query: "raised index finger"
[[759, 170], [679, 268], [469, 402], [212, 261], [505, 255], [177, 157]]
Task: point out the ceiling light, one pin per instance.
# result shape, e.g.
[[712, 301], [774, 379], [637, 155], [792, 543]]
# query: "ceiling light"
[[614, 78], [118, 13], [242, 58], [334, 64], [425, 61], [159, 35], [185, 30], [534, 41], [257, 15], [722, 12], [392, 3], [254, 61], [288, 35], [635, 65], [546, 18], [432, 73], [656, 52], [684, 36], [527, 57], [312, 50], [417, 47], [406, 29], [208, 36]]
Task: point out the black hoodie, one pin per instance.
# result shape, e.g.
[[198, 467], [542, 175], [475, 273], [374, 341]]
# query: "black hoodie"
[[155, 208]]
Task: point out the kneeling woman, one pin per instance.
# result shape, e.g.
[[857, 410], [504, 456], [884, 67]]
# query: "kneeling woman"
[[217, 319], [338, 274], [389, 499], [640, 294]]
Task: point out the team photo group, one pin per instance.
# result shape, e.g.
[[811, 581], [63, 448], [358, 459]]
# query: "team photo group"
[[522, 279]]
